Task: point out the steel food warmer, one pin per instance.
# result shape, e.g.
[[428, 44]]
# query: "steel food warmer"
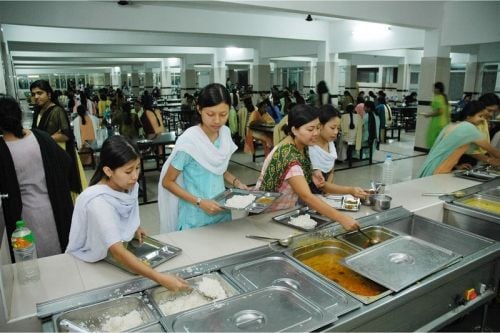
[[478, 211], [422, 275]]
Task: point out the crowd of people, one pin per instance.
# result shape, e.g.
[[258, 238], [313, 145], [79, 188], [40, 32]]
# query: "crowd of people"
[[91, 221]]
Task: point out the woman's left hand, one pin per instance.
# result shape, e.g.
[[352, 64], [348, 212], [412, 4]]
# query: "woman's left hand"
[[139, 235], [358, 192], [241, 186]]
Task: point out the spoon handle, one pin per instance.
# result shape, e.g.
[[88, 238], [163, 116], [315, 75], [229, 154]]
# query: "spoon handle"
[[261, 237]]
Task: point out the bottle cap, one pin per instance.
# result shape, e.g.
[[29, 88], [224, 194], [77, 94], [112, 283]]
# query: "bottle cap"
[[20, 224]]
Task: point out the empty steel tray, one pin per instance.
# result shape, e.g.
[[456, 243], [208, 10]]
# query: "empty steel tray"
[[151, 252]]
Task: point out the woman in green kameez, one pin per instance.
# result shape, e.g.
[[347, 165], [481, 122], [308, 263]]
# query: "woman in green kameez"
[[440, 114], [455, 139]]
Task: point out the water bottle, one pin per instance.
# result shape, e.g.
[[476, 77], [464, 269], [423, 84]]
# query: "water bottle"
[[387, 172], [23, 245]]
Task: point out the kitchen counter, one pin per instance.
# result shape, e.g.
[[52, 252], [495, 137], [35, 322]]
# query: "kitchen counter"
[[63, 275]]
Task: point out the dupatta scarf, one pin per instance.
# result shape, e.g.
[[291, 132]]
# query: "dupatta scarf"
[[285, 157]]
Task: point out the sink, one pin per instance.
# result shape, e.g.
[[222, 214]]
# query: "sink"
[[453, 239]]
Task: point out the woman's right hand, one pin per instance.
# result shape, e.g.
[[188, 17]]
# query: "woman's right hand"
[[210, 207], [172, 282], [349, 223]]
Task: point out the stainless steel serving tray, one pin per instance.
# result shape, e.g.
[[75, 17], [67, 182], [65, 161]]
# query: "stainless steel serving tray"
[[285, 218], [336, 249], [343, 202], [477, 174], [160, 295], [262, 199], [260, 310], [91, 318], [494, 192], [281, 271], [152, 252], [400, 262], [481, 202]]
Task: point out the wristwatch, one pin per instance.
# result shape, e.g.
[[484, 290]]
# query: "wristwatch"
[[198, 201]]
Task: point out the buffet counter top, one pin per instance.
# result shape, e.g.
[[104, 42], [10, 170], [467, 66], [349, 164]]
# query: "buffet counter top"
[[63, 275]]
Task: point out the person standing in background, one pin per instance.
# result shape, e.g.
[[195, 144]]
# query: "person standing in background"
[[50, 117], [34, 173], [440, 115]]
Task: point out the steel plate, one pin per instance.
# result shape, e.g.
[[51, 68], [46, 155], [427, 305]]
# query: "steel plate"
[[262, 199], [285, 218]]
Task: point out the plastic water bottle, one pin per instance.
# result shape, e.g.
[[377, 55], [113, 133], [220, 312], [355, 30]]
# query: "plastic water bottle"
[[388, 172], [23, 245]]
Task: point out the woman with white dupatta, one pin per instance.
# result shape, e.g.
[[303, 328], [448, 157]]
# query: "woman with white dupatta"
[[323, 155], [195, 171]]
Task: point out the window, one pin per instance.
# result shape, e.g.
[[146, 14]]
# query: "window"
[[367, 74], [414, 78], [175, 79]]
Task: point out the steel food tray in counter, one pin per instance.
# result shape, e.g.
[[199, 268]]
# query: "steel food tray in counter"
[[323, 256], [151, 252], [262, 199], [169, 302], [343, 202], [270, 309], [400, 262], [285, 219], [278, 270], [117, 315], [483, 203]]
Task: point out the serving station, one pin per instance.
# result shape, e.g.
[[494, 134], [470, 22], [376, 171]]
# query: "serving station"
[[421, 274]]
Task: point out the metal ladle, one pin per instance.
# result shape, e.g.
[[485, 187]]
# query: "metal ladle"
[[371, 241], [285, 242]]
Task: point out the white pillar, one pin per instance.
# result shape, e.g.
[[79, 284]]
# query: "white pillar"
[[115, 78], [434, 67], [8, 84], [471, 72]]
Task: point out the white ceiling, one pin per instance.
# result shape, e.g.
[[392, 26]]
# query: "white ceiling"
[[103, 34]]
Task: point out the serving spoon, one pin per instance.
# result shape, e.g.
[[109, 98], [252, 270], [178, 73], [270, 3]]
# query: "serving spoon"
[[371, 241], [285, 242]]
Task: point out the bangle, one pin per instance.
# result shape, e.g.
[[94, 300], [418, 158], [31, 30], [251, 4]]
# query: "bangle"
[[234, 181], [198, 201]]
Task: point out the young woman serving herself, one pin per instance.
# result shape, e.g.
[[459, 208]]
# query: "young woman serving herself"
[[195, 171], [106, 214], [288, 169]]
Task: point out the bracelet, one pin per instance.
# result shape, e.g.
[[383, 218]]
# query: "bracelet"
[[234, 181], [198, 201]]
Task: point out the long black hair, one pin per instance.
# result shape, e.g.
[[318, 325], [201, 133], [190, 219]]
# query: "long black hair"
[[299, 115], [82, 112], [116, 152], [350, 110], [127, 116], [11, 116]]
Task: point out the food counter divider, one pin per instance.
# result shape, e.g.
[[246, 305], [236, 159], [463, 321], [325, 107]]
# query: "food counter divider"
[[436, 296]]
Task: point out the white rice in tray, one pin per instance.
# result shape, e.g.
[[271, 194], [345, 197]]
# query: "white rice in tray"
[[122, 323], [208, 286], [211, 288], [240, 201], [303, 221]]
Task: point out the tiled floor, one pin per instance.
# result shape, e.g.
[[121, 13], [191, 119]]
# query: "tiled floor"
[[407, 162]]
